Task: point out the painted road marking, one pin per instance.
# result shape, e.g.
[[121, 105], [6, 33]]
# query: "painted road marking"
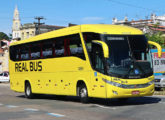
[[1, 104], [113, 108], [11, 106], [34, 110], [55, 115], [31, 109]]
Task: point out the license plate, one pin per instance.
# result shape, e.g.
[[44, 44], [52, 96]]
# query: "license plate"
[[135, 92]]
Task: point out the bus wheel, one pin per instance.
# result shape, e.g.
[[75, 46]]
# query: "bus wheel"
[[83, 93], [28, 91]]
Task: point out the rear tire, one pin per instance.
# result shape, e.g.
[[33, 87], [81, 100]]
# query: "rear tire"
[[83, 94], [28, 91]]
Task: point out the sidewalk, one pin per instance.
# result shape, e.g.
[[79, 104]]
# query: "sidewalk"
[[159, 93], [5, 84]]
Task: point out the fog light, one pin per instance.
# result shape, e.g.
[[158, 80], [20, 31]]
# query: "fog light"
[[115, 92]]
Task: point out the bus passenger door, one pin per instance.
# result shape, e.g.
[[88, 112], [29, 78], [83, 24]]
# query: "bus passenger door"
[[98, 85]]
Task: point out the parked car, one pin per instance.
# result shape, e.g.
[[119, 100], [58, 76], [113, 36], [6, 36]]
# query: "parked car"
[[159, 82], [4, 76]]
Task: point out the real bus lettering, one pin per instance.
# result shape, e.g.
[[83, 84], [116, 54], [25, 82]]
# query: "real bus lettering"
[[35, 66], [21, 67]]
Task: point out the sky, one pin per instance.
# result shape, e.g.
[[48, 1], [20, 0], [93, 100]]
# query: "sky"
[[62, 12]]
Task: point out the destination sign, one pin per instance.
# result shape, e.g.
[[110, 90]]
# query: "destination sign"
[[115, 38]]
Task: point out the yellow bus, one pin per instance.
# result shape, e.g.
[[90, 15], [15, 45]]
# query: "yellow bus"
[[93, 60]]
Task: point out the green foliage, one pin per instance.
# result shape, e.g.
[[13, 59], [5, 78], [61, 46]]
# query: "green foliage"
[[157, 37], [156, 25], [3, 36], [10, 36]]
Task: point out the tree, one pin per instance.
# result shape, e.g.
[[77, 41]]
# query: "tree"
[[156, 25], [157, 37], [3, 36], [10, 36]]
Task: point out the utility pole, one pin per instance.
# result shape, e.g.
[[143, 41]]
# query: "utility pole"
[[38, 23]]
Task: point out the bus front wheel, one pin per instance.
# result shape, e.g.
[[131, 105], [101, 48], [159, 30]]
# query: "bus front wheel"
[[28, 91], [83, 94]]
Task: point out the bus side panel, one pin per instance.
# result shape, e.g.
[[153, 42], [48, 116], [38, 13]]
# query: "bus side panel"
[[57, 76], [68, 71], [16, 82]]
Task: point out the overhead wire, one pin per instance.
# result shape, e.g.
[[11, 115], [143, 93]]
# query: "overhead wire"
[[135, 6]]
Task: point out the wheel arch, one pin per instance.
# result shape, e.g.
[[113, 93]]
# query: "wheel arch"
[[79, 83]]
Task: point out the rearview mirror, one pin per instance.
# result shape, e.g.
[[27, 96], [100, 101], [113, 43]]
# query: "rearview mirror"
[[104, 47], [157, 46]]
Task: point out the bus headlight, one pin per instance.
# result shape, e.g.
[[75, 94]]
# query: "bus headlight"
[[129, 86], [151, 82]]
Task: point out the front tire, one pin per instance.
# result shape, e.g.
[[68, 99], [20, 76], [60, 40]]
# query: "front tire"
[[28, 91], [83, 94]]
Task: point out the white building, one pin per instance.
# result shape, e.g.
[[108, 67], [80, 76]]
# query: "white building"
[[16, 25], [158, 19], [146, 25], [24, 31]]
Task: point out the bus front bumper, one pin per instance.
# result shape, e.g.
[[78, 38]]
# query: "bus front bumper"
[[117, 92]]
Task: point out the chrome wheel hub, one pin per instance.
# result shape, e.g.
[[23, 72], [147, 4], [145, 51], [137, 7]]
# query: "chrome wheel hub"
[[83, 92]]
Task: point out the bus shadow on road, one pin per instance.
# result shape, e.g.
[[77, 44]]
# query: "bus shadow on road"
[[104, 102], [126, 102]]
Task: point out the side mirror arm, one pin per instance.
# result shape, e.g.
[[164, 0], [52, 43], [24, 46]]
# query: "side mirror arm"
[[104, 46], [157, 46]]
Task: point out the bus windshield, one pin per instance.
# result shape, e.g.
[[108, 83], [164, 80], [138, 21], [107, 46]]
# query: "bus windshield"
[[129, 56]]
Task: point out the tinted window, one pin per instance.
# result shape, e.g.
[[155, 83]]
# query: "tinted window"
[[97, 58], [47, 49], [75, 47], [35, 50], [14, 53], [56, 47], [24, 50], [59, 47], [88, 38]]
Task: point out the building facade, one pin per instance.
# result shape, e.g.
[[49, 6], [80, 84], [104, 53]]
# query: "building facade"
[[21, 32], [154, 24], [16, 33], [29, 30], [4, 56]]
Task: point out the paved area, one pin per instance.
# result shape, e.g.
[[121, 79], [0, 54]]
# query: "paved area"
[[14, 106]]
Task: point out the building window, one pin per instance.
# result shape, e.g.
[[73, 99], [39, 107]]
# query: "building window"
[[27, 34], [22, 35], [16, 26], [32, 33]]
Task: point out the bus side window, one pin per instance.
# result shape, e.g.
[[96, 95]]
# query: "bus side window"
[[18, 55], [47, 49], [14, 53], [24, 49], [59, 47], [88, 37], [66, 47], [75, 46], [35, 50], [97, 58]]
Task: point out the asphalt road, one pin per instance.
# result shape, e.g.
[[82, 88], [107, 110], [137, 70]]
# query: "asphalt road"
[[14, 106]]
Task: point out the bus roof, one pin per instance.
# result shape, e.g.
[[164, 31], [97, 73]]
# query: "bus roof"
[[96, 28]]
